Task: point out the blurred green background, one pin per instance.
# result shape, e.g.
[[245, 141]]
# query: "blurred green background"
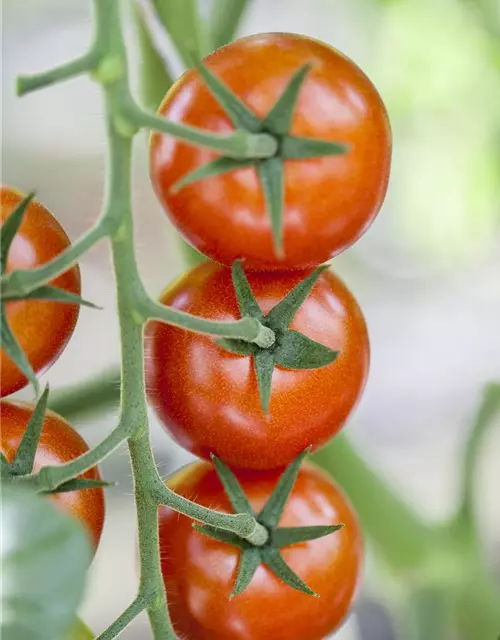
[[427, 274]]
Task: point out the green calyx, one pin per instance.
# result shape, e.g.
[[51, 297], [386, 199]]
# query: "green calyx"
[[266, 549], [24, 458], [289, 349], [10, 345], [276, 126]]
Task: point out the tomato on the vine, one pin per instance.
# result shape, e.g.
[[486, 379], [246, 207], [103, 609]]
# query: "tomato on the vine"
[[329, 201], [42, 327], [200, 572], [59, 443], [208, 398]]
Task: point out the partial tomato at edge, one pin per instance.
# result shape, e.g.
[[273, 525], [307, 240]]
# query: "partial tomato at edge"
[[42, 327], [59, 443], [329, 201], [200, 572], [207, 398]]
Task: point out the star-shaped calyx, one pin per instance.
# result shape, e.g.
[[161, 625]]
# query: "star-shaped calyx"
[[290, 349], [277, 124], [269, 517], [24, 458], [10, 344]]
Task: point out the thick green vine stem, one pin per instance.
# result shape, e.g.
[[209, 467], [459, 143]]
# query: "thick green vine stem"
[[107, 63]]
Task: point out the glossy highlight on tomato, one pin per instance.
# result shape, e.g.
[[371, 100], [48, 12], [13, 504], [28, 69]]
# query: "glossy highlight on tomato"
[[59, 443], [200, 572], [207, 398], [329, 201], [42, 327]]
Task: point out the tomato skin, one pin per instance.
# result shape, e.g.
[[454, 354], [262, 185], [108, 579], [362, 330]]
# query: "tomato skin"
[[59, 443], [199, 572], [42, 328], [329, 202], [207, 398]]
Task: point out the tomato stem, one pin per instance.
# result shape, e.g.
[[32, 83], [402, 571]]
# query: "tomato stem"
[[134, 309]]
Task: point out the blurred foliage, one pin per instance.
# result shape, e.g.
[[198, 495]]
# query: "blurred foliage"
[[438, 71]]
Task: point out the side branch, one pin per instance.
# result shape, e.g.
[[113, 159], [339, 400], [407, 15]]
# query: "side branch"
[[77, 67]]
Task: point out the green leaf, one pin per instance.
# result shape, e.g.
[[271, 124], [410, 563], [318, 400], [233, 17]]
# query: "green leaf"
[[45, 554], [297, 351], [48, 292], [78, 631], [263, 362], [80, 484], [287, 536], [240, 347], [273, 559], [488, 409], [272, 177], [241, 116], [221, 535], [428, 615], [10, 227], [12, 349], [247, 303], [249, 561], [26, 451], [279, 119], [283, 313], [297, 148], [215, 168], [232, 487], [273, 509]]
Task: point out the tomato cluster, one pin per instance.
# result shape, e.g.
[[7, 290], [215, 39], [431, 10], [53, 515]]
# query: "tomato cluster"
[[43, 328], [208, 396], [252, 405]]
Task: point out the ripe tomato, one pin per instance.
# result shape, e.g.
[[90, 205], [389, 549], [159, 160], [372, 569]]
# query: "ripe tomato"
[[329, 201], [207, 398], [200, 572], [59, 443], [42, 327]]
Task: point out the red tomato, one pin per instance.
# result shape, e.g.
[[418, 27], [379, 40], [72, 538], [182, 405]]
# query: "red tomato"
[[200, 572], [59, 443], [42, 328], [207, 398], [329, 201]]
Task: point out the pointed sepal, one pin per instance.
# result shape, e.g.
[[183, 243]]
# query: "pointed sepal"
[[263, 362], [217, 167], [221, 535], [13, 350], [249, 561], [272, 177], [10, 227], [241, 116], [80, 484], [239, 347], [287, 536], [26, 451], [247, 302], [297, 148], [47, 292], [273, 559], [272, 511], [297, 351], [283, 313], [232, 487], [5, 468], [279, 119]]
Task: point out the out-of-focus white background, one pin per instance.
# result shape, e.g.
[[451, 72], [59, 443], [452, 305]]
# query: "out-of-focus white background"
[[427, 274]]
